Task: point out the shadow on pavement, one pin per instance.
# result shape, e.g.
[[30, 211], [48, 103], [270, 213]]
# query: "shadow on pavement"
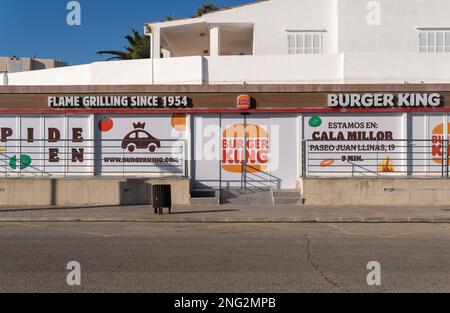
[[56, 208], [207, 211]]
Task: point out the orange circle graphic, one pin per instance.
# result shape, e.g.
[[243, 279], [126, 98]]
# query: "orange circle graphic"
[[179, 121]]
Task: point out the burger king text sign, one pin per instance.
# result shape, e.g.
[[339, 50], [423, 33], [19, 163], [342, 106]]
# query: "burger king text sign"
[[245, 144]]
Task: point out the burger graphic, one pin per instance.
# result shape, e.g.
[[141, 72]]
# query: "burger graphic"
[[245, 148], [437, 143]]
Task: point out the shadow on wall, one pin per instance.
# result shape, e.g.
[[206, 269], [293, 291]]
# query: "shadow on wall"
[[37, 65], [135, 192], [131, 192]]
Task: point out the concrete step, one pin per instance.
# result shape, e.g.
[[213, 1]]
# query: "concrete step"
[[204, 193], [254, 196], [286, 194], [205, 197], [287, 201], [292, 197], [204, 201]]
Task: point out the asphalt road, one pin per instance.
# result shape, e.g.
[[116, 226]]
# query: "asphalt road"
[[118, 257]]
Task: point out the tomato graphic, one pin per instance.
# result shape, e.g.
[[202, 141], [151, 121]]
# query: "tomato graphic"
[[105, 124]]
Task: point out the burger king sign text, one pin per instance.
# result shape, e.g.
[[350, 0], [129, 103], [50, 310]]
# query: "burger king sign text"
[[245, 148]]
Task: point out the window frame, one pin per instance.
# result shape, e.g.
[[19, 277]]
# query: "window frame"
[[433, 40], [305, 42]]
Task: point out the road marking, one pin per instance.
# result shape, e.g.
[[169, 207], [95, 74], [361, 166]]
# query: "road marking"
[[238, 228], [42, 227], [443, 228], [349, 233], [391, 235]]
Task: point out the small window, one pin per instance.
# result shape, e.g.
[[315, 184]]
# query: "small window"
[[434, 41], [142, 135], [305, 42]]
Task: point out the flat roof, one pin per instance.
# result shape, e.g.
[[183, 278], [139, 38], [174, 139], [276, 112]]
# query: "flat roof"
[[263, 88]]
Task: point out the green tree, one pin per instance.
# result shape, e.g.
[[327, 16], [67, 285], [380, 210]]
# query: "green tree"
[[139, 48], [206, 7]]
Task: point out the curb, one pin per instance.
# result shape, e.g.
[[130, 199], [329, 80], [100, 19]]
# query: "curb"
[[293, 220]]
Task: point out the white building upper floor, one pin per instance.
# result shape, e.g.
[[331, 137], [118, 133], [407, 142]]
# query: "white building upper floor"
[[284, 41], [280, 27]]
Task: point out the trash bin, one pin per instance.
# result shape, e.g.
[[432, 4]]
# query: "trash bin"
[[162, 198]]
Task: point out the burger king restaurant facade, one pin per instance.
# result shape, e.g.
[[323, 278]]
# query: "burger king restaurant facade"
[[302, 138]]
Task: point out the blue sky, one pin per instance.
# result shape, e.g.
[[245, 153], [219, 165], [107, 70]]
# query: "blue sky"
[[29, 27]]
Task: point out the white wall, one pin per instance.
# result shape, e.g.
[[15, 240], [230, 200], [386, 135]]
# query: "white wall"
[[345, 23], [184, 70], [397, 31], [272, 18], [396, 67], [275, 69], [187, 70], [322, 68], [131, 72], [3, 79], [72, 75]]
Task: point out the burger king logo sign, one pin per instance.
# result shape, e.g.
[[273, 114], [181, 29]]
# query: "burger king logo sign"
[[245, 144], [244, 102], [438, 138]]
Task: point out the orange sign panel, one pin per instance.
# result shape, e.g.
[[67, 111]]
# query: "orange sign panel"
[[245, 148]]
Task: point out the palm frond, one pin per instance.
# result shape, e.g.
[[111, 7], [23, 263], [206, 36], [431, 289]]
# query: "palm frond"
[[138, 48]]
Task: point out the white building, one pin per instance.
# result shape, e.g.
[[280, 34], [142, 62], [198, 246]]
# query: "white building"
[[285, 41]]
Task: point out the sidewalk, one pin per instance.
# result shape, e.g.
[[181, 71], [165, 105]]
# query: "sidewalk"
[[237, 214]]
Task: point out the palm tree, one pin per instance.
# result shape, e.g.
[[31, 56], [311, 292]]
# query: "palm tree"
[[139, 48], [206, 7]]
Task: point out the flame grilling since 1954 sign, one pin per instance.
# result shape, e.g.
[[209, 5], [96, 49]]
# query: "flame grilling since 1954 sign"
[[119, 102]]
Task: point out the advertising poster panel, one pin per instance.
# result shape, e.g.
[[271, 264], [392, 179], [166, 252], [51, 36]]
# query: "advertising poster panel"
[[429, 146], [246, 151], [355, 144], [142, 145], [45, 145]]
